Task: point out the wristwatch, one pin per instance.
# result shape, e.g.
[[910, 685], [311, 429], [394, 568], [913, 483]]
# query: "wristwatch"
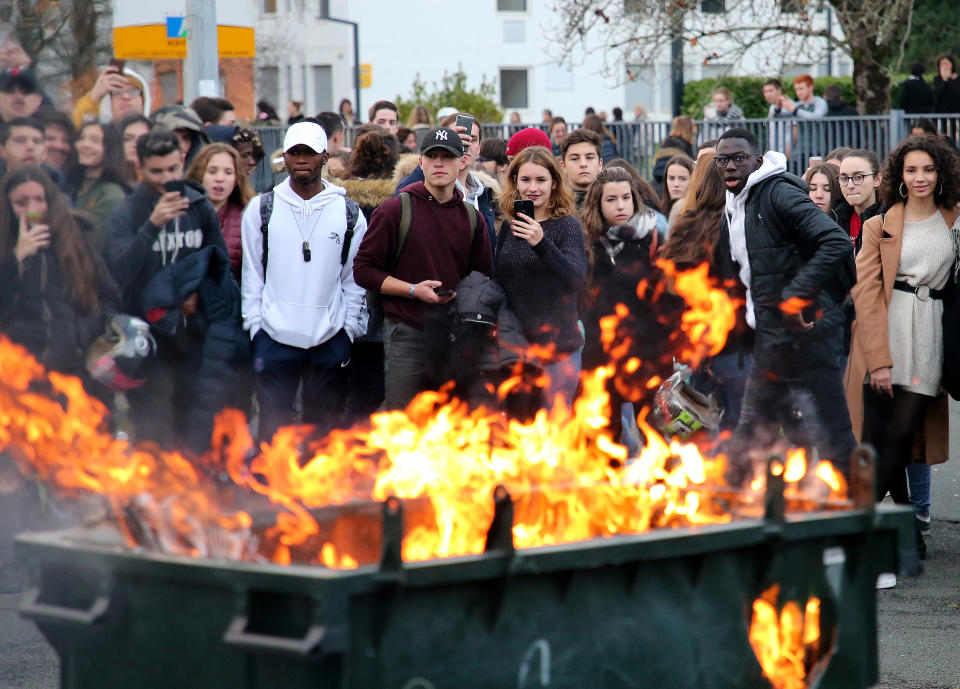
[[413, 291]]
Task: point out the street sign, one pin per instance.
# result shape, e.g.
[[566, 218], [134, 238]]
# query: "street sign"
[[157, 30], [366, 75]]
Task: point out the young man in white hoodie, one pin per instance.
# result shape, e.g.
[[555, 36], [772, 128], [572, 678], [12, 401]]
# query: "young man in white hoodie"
[[797, 265], [300, 302]]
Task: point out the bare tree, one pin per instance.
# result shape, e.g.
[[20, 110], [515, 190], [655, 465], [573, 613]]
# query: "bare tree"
[[66, 40], [638, 32]]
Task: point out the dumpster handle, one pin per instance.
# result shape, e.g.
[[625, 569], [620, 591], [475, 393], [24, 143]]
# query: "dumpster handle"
[[33, 609], [237, 635]]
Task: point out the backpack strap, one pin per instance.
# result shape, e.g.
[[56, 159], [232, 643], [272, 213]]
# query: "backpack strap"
[[266, 210], [472, 212], [353, 213], [403, 231]]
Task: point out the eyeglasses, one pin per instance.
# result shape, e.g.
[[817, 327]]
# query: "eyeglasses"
[[126, 93], [738, 159], [857, 179]]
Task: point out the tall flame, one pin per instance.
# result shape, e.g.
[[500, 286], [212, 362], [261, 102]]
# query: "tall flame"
[[786, 644], [569, 479]]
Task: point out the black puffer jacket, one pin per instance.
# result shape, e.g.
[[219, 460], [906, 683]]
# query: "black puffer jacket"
[[802, 253], [216, 330], [36, 310], [482, 300]]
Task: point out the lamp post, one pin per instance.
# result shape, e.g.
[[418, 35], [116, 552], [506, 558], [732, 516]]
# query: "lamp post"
[[201, 68]]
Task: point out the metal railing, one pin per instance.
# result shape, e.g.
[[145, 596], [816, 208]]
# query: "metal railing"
[[640, 142]]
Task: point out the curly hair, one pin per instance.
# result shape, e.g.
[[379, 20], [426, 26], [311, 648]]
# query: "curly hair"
[[374, 155], [945, 159]]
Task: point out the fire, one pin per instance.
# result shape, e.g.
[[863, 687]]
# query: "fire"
[[568, 477], [794, 305], [787, 645]]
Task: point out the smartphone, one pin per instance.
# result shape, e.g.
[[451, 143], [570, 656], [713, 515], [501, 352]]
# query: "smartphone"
[[177, 185], [119, 64], [465, 121], [524, 206], [443, 292], [814, 160]]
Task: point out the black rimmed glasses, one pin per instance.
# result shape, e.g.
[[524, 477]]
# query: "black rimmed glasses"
[[739, 159], [857, 179]]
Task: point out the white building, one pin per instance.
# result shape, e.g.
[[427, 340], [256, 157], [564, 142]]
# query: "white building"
[[303, 56]]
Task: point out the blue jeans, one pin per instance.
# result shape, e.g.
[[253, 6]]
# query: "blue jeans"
[[564, 378], [811, 407], [918, 477]]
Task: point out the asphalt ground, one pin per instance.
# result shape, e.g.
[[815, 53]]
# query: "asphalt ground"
[[919, 619]]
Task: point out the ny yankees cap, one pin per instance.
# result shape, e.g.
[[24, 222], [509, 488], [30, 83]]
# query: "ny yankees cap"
[[309, 134], [445, 138]]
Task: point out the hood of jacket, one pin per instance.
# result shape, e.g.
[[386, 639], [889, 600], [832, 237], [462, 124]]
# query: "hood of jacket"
[[368, 193], [106, 111], [405, 165], [302, 207]]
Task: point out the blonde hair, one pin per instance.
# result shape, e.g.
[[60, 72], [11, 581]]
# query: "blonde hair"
[[560, 203], [242, 191]]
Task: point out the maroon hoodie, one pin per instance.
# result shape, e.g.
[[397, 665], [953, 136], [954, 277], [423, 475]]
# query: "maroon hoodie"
[[230, 215], [438, 248]]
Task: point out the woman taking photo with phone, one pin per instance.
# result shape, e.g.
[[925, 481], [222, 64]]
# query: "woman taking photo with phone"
[[908, 257], [53, 288], [541, 262]]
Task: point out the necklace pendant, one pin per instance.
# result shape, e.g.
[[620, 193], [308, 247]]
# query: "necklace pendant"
[[306, 252]]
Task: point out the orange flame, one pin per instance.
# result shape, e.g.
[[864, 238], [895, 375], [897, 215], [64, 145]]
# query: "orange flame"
[[569, 479], [794, 305], [786, 645]]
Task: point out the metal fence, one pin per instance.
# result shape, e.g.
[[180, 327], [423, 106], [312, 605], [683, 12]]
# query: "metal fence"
[[639, 142]]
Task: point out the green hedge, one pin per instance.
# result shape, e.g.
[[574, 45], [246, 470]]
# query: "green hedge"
[[748, 92]]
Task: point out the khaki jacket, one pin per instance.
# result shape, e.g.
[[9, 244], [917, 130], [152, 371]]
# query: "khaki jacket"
[[877, 265]]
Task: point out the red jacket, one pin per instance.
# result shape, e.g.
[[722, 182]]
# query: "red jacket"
[[230, 215]]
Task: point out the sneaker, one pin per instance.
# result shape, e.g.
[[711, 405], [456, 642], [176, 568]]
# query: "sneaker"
[[924, 524], [887, 580]]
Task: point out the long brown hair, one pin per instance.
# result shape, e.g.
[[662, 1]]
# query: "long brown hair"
[[694, 237], [666, 203], [591, 217], [595, 124], [682, 128], [560, 203], [242, 191], [66, 237]]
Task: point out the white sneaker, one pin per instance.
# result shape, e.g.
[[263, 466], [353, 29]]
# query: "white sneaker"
[[887, 580]]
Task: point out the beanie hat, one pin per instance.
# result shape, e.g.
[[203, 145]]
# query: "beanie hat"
[[525, 138]]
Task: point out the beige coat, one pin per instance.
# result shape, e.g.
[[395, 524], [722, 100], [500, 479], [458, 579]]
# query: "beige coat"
[[877, 265]]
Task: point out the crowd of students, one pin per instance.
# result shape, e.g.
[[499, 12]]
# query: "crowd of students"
[[519, 247]]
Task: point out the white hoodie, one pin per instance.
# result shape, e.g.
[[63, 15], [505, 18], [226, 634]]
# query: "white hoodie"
[[774, 163], [303, 304]]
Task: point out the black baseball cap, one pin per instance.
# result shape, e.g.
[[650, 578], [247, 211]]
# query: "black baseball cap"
[[19, 77], [445, 138]]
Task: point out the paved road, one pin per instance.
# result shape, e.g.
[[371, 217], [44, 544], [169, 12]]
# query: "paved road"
[[919, 619]]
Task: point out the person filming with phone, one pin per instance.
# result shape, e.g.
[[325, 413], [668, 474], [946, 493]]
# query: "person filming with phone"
[[419, 246], [164, 221]]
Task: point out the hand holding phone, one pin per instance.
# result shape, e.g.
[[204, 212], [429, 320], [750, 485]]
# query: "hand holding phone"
[[171, 204], [177, 185], [442, 292], [465, 121], [524, 206]]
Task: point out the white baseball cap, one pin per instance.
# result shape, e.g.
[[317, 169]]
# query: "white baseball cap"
[[309, 134]]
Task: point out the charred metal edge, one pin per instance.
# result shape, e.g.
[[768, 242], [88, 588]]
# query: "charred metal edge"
[[775, 509], [391, 549], [500, 533], [863, 477]]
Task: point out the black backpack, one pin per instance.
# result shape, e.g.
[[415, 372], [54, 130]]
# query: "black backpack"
[[266, 210]]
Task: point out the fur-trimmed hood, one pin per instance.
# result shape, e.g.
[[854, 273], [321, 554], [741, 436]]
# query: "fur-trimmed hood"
[[405, 165], [368, 193]]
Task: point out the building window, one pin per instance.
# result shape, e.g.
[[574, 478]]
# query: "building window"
[[269, 6], [511, 5], [713, 6], [513, 88]]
